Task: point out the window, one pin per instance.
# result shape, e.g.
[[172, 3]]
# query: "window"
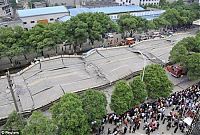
[[32, 21], [24, 22], [51, 19]]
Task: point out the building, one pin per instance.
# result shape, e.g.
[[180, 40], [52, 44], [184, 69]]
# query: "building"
[[12, 23], [149, 2], [68, 3], [5, 8], [137, 2], [128, 2], [98, 3], [39, 4], [31, 17], [116, 11], [113, 12]]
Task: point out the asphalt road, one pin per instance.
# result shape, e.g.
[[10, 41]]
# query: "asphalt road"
[[41, 84]]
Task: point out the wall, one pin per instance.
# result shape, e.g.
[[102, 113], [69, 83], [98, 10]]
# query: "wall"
[[114, 17], [35, 19], [63, 2], [128, 2], [146, 2], [11, 23]]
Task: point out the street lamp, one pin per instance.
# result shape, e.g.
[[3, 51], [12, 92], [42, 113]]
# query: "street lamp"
[[144, 65]]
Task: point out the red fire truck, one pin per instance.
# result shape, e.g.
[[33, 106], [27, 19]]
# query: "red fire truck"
[[176, 70]]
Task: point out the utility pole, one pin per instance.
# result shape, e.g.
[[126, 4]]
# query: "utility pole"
[[11, 90]]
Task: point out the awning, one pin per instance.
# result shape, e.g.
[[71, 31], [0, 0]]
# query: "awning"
[[188, 121]]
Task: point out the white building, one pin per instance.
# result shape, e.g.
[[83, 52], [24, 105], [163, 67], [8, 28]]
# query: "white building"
[[5, 8], [128, 2], [137, 2], [30, 17], [115, 12]]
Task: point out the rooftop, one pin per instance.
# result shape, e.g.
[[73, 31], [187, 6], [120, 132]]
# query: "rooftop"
[[117, 9], [106, 10], [64, 18], [76, 11], [42, 11]]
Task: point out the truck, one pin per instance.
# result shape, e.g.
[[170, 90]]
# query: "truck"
[[176, 70], [128, 41]]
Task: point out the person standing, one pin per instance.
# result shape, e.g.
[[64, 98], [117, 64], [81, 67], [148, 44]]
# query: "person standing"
[[125, 129], [175, 130], [109, 131], [134, 128], [169, 124], [158, 124], [130, 129]]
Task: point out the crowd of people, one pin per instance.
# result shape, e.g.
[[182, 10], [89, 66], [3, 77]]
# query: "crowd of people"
[[170, 112]]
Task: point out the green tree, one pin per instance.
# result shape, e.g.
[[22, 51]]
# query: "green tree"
[[121, 99], [138, 88], [69, 116], [76, 31], [186, 52], [178, 54], [191, 44], [14, 122], [94, 104], [45, 36], [193, 66], [9, 40], [172, 16], [162, 3], [161, 22], [151, 25], [38, 124], [128, 24], [157, 83], [97, 25]]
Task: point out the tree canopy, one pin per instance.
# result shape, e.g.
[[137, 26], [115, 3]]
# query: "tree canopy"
[[14, 122], [138, 88], [157, 83], [90, 26], [186, 53], [193, 62], [94, 105], [68, 115], [121, 97], [38, 124]]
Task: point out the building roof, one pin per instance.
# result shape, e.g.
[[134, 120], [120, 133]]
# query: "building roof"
[[64, 18], [42, 11], [150, 17], [76, 11], [106, 10], [117, 9]]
